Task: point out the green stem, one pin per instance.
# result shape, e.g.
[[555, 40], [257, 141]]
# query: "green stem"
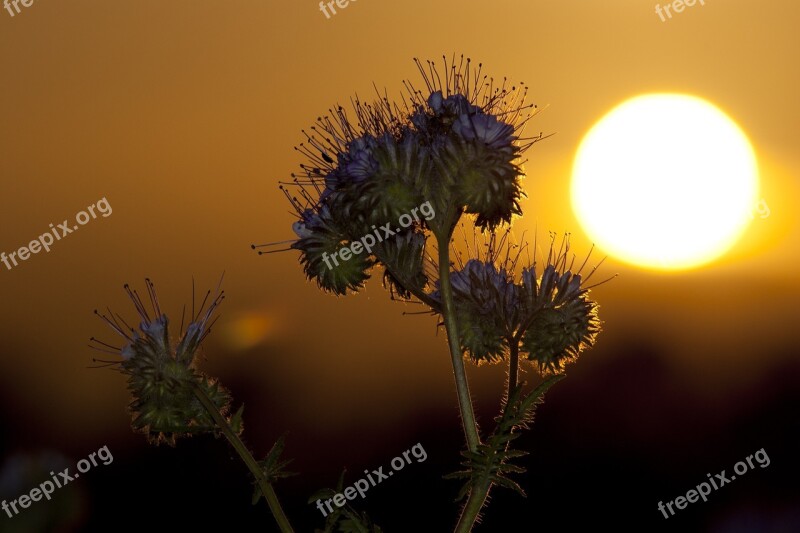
[[480, 490], [477, 498], [513, 366], [451, 326], [266, 487]]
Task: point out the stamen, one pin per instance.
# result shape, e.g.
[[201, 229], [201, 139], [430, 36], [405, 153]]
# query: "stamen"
[[113, 325], [116, 350], [134, 296], [151, 289], [105, 364]]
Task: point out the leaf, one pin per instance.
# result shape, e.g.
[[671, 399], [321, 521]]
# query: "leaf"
[[236, 421], [273, 466], [491, 461], [257, 494]]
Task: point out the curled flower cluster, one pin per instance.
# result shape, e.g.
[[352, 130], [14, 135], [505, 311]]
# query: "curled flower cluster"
[[457, 145], [549, 317], [161, 375]]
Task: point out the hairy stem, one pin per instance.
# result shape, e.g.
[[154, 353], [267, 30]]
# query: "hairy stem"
[[480, 490], [448, 314], [477, 498], [266, 487], [477, 495], [513, 366]]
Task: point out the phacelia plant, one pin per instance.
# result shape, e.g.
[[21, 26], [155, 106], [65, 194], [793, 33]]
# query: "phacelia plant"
[[451, 149], [455, 142]]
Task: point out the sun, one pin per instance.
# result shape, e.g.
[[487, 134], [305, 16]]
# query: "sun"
[[665, 181]]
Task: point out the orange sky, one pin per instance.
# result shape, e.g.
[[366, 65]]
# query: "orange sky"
[[184, 116]]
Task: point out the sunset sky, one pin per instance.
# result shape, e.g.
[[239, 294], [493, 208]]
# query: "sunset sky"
[[184, 115]]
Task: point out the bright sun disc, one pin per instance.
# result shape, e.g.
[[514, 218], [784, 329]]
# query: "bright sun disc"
[[665, 181]]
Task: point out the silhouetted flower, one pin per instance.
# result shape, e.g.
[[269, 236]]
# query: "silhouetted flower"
[[161, 375], [549, 318], [563, 320], [320, 240], [457, 145]]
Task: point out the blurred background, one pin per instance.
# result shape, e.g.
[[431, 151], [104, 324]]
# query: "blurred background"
[[184, 116]]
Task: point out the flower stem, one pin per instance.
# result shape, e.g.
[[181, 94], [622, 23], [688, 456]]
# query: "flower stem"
[[448, 314], [513, 366], [477, 498], [266, 487], [480, 490]]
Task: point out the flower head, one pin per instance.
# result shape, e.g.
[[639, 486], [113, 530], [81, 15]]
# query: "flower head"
[[161, 374], [549, 319], [456, 143], [321, 239]]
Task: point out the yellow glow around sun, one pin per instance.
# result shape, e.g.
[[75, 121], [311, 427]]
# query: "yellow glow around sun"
[[665, 181]]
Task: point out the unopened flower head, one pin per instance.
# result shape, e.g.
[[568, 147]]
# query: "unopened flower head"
[[161, 373], [456, 142]]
